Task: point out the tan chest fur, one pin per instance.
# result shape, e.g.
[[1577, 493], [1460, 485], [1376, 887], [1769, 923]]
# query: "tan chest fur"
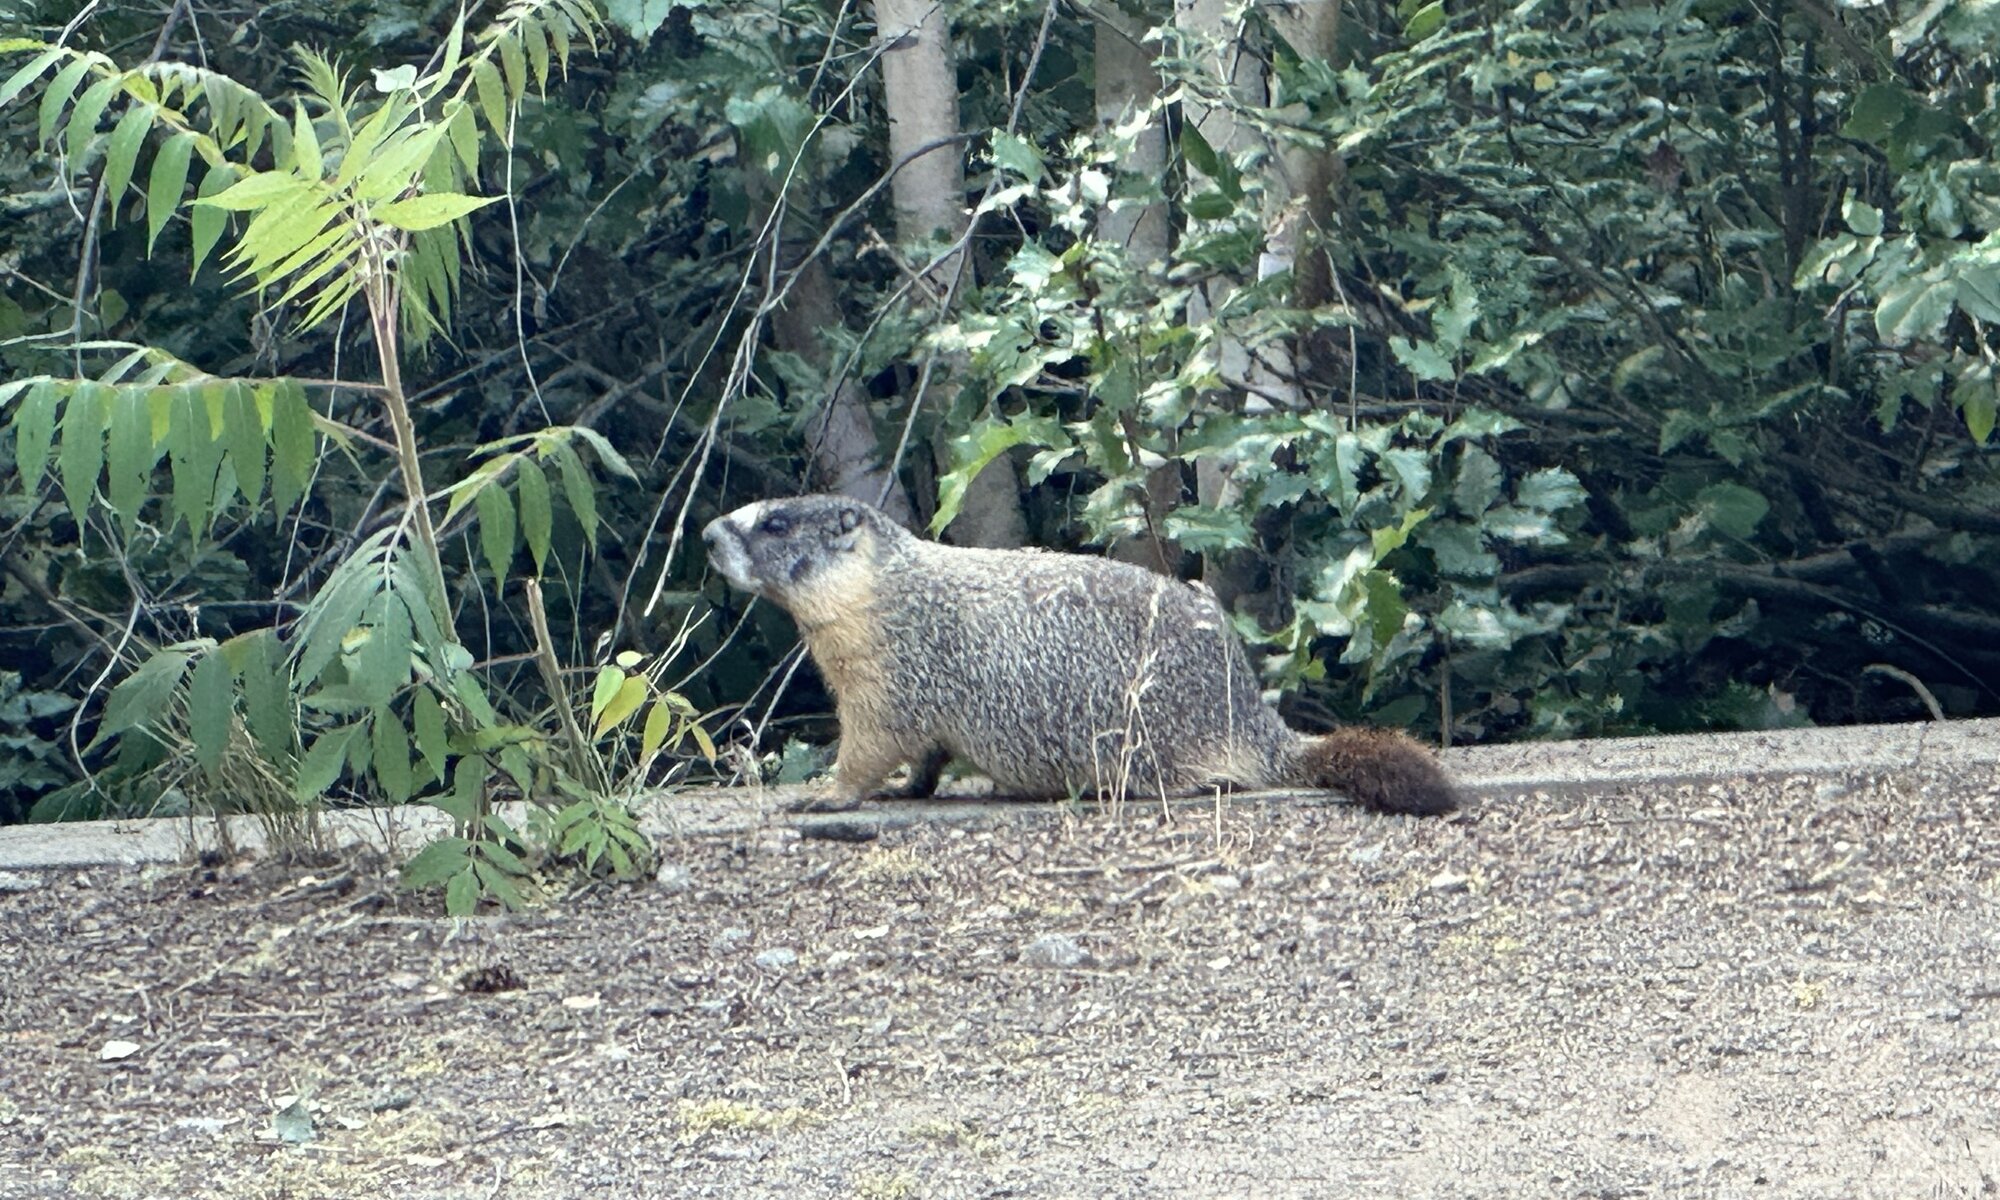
[[836, 616]]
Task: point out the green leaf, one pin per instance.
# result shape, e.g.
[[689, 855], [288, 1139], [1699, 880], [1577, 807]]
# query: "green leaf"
[[430, 210], [1979, 290], [1205, 530], [81, 456], [164, 186], [1734, 509], [57, 98], [607, 454], [205, 223], [380, 667], [1878, 109], [1390, 538], [492, 96], [496, 533], [640, 18], [122, 153], [559, 40], [144, 695], [130, 458], [1426, 21], [243, 435], [194, 455], [609, 680], [537, 517], [306, 158], [538, 55], [19, 80], [34, 429], [984, 442], [1977, 402], [398, 166], [1861, 217], [461, 895], [267, 693], [83, 118], [468, 780], [337, 609], [59, 95], [1017, 155], [440, 861], [292, 445], [427, 722], [464, 134], [1550, 489], [1383, 607], [514, 64], [497, 853], [454, 50], [577, 487], [1200, 155], [211, 703], [498, 883], [1914, 307], [1424, 360], [321, 764], [392, 757]]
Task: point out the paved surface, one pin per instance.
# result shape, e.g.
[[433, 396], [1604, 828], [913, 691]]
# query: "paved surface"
[[1772, 986], [1488, 771]]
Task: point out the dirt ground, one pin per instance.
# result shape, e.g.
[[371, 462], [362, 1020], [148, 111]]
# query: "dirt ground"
[[1786, 987]]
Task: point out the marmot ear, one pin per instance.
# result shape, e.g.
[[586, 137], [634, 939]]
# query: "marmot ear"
[[849, 524]]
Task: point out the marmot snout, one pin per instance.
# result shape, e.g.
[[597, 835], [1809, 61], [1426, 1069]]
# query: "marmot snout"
[[1054, 674]]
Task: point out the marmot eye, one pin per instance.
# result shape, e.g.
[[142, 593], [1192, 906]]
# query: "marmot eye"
[[777, 525]]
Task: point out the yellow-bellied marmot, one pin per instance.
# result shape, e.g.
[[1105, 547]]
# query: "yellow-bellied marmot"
[[1054, 674]]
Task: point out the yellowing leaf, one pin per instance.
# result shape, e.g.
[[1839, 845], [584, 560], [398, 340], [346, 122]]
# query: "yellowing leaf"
[[659, 721], [257, 191], [630, 695], [429, 211]]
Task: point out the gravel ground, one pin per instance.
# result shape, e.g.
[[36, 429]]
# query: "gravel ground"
[[1777, 987]]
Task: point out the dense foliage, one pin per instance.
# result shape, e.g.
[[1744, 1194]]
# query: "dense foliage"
[[1648, 386]]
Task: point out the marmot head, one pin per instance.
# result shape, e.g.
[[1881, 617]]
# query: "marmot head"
[[813, 556]]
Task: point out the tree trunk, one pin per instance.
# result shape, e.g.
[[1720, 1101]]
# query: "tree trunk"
[[1127, 85], [846, 454], [1128, 89], [920, 92], [1311, 174], [1266, 380]]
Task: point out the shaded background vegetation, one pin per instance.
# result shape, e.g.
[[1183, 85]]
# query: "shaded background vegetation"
[[1627, 366]]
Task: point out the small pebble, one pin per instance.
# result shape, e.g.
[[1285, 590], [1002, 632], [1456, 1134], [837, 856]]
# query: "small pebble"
[[1054, 950]]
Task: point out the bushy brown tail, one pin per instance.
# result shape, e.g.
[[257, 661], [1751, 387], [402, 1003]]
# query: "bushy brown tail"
[[1383, 769]]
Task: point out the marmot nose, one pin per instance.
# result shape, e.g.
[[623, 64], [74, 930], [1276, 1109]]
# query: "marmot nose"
[[712, 532]]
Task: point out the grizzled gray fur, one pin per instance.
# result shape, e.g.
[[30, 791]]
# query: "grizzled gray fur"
[[1054, 674]]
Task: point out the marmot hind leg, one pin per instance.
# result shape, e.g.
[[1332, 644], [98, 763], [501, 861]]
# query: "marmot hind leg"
[[924, 775]]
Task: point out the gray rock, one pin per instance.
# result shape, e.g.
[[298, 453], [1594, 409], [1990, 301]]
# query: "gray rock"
[[777, 958], [1447, 882], [1054, 950]]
